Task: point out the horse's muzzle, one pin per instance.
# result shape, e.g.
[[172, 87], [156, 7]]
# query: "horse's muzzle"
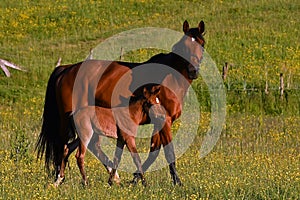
[[193, 71], [157, 115]]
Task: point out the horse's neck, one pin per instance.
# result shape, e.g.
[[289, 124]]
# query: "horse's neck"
[[136, 110], [171, 59], [177, 61], [176, 82]]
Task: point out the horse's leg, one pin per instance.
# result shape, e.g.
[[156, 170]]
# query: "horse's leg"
[[85, 133], [170, 157], [68, 151], [95, 147], [163, 138], [72, 146], [166, 138], [61, 169], [66, 133], [155, 146], [137, 161], [80, 161], [117, 160]]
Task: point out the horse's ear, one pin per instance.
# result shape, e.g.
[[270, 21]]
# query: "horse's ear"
[[185, 27], [155, 90], [201, 27], [146, 92]]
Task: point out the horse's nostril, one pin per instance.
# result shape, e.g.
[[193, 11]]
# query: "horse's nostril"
[[162, 118]]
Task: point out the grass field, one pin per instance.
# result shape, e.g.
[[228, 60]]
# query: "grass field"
[[257, 156]]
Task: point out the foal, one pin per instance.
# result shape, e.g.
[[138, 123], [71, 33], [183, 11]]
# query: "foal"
[[120, 123]]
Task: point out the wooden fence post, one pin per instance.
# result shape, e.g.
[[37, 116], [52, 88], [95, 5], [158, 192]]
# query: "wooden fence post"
[[225, 71], [289, 80], [266, 77], [267, 88], [244, 84], [58, 62], [121, 54], [281, 88], [90, 57]]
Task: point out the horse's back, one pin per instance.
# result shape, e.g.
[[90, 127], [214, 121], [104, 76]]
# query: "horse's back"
[[92, 82]]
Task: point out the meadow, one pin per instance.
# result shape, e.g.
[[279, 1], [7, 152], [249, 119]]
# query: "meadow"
[[258, 153]]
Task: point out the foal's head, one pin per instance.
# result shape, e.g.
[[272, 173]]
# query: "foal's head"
[[149, 103]]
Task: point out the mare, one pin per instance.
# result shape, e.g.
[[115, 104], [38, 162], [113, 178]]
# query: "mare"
[[93, 82]]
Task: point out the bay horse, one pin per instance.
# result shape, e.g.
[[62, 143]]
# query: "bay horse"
[[92, 120], [97, 81]]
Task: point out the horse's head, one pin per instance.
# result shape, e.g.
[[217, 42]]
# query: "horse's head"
[[151, 104], [191, 47]]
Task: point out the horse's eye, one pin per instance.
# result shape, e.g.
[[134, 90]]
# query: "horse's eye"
[[193, 39]]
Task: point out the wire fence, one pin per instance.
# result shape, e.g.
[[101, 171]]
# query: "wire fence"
[[258, 98]]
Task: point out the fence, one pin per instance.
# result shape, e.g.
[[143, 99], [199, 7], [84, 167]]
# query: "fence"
[[259, 98]]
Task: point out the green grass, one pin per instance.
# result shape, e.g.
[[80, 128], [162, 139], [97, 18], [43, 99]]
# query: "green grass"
[[250, 161], [257, 156]]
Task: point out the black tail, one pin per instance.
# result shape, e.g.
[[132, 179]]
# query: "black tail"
[[49, 141]]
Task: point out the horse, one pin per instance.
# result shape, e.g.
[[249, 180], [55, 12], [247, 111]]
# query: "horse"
[[98, 79], [103, 121]]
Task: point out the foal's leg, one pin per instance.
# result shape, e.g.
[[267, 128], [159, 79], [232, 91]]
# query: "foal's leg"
[[95, 147], [155, 146], [117, 160], [137, 161]]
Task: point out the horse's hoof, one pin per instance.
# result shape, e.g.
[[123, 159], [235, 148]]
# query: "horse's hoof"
[[134, 181], [109, 182], [58, 181], [177, 181], [136, 178], [117, 179], [113, 176], [144, 183], [84, 183]]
